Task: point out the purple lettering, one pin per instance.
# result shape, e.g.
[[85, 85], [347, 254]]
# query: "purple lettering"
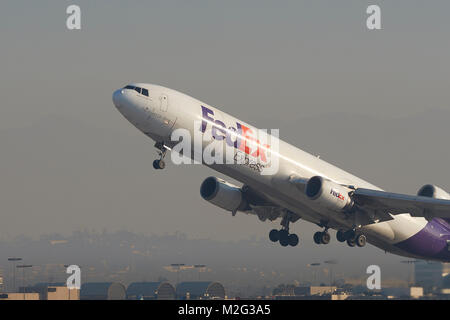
[[216, 128], [205, 112]]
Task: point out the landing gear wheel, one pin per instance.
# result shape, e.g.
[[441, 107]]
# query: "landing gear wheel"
[[350, 234], [325, 238], [283, 234], [318, 237], [284, 241], [360, 240], [284, 238], [340, 236], [351, 242], [274, 235], [159, 164], [293, 240]]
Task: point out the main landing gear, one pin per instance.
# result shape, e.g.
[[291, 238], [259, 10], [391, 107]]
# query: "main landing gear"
[[283, 236], [352, 238], [159, 163], [322, 237]]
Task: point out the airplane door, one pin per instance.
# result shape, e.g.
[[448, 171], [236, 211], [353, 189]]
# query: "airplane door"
[[163, 102], [160, 121]]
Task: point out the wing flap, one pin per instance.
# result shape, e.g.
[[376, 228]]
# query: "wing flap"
[[396, 203]]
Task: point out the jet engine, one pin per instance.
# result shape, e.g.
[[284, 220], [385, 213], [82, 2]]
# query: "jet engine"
[[223, 194], [328, 194], [432, 191]]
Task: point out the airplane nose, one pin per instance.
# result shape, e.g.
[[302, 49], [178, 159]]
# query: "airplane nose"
[[117, 98]]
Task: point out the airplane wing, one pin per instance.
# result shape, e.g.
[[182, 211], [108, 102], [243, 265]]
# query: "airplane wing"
[[260, 205], [256, 198], [395, 203], [372, 215]]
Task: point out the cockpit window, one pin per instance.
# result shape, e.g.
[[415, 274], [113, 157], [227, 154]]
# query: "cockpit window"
[[138, 90]]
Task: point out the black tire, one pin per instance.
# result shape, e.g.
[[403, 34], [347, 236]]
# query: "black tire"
[[274, 235], [293, 240], [350, 234], [317, 237], [284, 238], [340, 236], [284, 242], [325, 238], [351, 242], [283, 234], [155, 165], [361, 240]]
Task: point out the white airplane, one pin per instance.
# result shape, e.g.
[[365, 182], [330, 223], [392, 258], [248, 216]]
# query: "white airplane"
[[304, 186]]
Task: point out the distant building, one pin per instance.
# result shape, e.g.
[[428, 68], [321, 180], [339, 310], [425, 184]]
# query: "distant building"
[[54, 291], [1, 280], [151, 291], [305, 291], [289, 290], [62, 293], [445, 269], [316, 290], [445, 291], [446, 281], [397, 292], [102, 291], [428, 274], [416, 292], [19, 296], [200, 290], [339, 296], [42, 287]]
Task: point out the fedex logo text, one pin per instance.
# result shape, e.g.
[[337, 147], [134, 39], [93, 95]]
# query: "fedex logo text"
[[241, 137], [215, 143], [337, 194]]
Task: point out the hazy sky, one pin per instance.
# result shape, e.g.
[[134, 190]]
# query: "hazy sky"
[[375, 103]]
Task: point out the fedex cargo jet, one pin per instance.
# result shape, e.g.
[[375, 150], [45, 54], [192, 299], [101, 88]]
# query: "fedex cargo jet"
[[302, 187]]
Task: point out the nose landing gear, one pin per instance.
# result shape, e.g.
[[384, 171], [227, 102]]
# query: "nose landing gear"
[[159, 163]]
